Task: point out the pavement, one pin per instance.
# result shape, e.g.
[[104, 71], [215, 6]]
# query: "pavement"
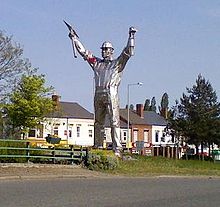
[[10, 171]]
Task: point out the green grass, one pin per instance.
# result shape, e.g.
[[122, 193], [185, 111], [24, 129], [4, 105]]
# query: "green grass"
[[147, 166]]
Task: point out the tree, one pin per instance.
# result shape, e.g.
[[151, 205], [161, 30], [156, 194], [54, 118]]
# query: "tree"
[[29, 103], [163, 108], [153, 105], [147, 105], [131, 107], [196, 117], [12, 64]]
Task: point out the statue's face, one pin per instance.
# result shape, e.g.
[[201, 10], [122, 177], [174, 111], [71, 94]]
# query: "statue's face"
[[107, 53]]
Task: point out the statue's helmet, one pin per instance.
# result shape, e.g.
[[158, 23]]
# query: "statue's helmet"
[[107, 50], [107, 45]]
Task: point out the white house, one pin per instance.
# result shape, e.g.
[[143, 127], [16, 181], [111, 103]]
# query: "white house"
[[70, 122]]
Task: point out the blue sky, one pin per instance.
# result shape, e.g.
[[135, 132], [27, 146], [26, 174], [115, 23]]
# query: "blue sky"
[[176, 41]]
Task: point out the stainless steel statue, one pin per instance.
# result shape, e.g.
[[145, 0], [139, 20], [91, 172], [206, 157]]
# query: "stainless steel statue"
[[108, 72]]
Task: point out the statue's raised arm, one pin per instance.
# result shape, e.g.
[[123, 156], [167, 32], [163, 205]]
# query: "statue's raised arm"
[[129, 49], [131, 43], [76, 44]]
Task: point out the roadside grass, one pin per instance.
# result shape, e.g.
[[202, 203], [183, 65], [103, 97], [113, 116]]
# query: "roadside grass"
[[147, 166]]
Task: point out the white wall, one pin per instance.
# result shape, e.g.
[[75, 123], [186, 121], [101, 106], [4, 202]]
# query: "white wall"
[[67, 130], [108, 134], [160, 130]]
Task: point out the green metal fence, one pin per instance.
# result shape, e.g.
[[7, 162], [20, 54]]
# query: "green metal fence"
[[31, 151], [216, 155]]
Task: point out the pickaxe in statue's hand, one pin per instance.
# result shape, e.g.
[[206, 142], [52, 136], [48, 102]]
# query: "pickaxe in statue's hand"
[[72, 31]]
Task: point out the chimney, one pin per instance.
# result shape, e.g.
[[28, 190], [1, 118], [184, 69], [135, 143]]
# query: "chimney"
[[140, 110], [56, 101]]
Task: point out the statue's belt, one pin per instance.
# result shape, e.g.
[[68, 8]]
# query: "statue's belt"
[[100, 89]]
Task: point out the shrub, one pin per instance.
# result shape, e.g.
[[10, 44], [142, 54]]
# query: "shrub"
[[197, 157], [101, 160], [12, 151]]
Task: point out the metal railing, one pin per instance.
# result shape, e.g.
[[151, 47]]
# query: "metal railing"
[[34, 150]]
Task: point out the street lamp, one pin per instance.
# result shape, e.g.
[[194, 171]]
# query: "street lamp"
[[128, 115]]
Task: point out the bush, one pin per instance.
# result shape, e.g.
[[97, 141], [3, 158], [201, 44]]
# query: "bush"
[[101, 160], [12, 151]]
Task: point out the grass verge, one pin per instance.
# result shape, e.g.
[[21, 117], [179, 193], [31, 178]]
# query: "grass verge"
[[147, 166]]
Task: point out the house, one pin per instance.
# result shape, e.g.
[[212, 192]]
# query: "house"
[[71, 122], [163, 143], [136, 128], [147, 133]]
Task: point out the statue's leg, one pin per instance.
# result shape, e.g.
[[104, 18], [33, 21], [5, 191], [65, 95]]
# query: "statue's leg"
[[115, 123], [100, 113]]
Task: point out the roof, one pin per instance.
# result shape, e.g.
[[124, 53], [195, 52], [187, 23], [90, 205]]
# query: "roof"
[[133, 117], [71, 110], [152, 118]]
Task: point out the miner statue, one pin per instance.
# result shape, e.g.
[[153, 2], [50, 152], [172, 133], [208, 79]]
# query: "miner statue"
[[107, 75]]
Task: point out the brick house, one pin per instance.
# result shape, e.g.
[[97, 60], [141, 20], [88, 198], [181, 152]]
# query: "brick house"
[[148, 129], [137, 128]]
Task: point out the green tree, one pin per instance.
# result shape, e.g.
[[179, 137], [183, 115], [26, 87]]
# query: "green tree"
[[196, 117], [153, 105], [12, 65], [131, 107], [29, 103], [163, 108], [147, 105]]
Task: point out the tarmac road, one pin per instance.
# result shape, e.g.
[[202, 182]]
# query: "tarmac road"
[[111, 191]]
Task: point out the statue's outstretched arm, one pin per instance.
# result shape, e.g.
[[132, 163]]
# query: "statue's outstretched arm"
[[129, 49], [86, 54], [78, 45]]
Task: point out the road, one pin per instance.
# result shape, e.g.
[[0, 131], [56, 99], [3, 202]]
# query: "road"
[[111, 191]]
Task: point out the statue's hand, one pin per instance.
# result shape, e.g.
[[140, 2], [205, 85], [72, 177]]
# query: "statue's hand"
[[72, 35], [132, 31]]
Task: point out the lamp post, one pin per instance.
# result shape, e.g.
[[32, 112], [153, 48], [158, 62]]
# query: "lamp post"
[[128, 108]]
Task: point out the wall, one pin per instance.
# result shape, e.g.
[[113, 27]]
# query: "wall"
[[167, 138], [66, 129]]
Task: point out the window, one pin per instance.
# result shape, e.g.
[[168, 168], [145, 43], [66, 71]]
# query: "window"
[[146, 135], [135, 135], [65, 132], [32, 133], [124, 135], [78, 131], [55, 131], [70, 133], [104, 133], [157, 136], [173, 138], [90, 133]]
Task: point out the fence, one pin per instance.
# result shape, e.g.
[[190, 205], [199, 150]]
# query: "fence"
[[35, 150], [216, 155]]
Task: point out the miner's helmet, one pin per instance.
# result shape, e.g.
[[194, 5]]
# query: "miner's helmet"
[[107, 45]]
